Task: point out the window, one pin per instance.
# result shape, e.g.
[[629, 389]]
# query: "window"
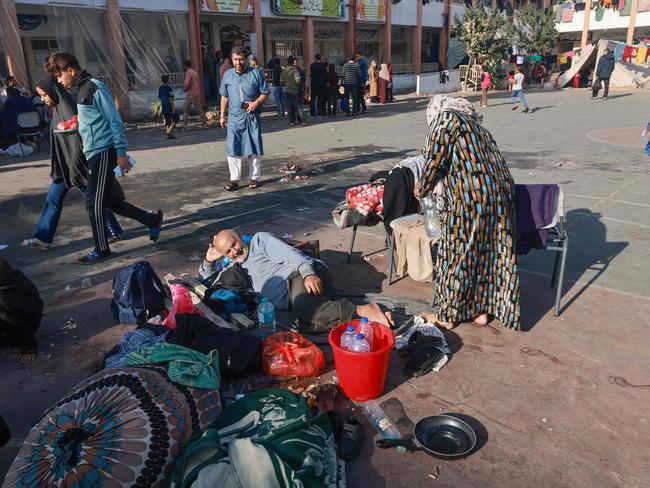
[[284, 49], [42, 48], [369, 49]]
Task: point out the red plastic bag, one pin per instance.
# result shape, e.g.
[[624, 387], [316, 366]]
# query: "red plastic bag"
[[290, 354], [181, 303]]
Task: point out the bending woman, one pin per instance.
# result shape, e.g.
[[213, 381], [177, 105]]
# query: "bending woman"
[[69, 167], [476, 269]]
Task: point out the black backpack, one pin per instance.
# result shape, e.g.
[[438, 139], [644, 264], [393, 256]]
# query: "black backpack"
[[138, 294]]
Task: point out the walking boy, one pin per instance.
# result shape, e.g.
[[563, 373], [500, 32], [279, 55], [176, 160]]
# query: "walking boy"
[[166, 96], [518, 90], [193, 96], [104, 144]]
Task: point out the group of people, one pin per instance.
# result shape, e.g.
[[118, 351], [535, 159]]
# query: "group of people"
[[515, 84], [13, 102]]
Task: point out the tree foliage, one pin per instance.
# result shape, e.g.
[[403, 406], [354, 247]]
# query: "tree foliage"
[[533, 30], [483, 31]]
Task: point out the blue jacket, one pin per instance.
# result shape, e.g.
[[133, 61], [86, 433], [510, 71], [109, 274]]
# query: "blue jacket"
[[363, 68], [100, 125]]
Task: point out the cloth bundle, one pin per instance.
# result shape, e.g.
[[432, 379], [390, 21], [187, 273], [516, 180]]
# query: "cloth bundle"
[[423, 346], [366, 199]]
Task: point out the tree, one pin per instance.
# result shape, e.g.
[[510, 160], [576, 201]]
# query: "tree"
[[483, 31], [534, 30]]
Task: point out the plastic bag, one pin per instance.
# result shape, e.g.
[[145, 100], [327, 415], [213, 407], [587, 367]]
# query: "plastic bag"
[[181, 303], [290, 354]]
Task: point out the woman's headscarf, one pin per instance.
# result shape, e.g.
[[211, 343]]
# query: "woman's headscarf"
[[440, 103], [384, 73], [68, 161]]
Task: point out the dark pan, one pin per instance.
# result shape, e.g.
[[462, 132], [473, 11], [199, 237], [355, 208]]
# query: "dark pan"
[[442, 436]]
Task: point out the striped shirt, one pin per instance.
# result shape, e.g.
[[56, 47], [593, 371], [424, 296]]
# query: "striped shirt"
[[351, 74]]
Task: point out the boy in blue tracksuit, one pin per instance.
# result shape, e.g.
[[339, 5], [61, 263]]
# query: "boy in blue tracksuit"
[[104, 143]]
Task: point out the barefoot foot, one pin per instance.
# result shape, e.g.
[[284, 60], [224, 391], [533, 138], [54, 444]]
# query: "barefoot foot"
[[433, 318], [374, 313], [481, 319]]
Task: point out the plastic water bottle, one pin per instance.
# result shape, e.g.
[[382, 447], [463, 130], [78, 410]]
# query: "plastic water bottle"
[[359, 344], [377, 417], [347, 337], [366, 329], [431, 218], [266, 318]]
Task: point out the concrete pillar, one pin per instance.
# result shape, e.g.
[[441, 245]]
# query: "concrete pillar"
[[417, 41], [115, 41], [194, 34], [585, 24], [444, 35], [256, 27], [351, 29], [308, 43], [387, 34], [630, 27], [13, 46]]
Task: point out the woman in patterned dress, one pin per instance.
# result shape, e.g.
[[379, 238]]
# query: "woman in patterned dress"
[[476, 269]]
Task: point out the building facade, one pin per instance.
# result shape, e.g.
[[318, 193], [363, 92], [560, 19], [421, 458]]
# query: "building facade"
[[130, 43]]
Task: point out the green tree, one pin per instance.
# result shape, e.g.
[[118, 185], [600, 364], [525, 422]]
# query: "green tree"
[[533, 30], [484, 33]]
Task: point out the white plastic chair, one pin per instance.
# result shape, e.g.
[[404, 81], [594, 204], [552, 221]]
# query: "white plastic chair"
[[29, 125]]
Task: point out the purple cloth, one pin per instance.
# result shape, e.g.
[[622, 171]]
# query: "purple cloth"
[[535, 209]]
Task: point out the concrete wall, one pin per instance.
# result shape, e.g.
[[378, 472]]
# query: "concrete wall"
[[404, 83], [611, 20], [429, 84]]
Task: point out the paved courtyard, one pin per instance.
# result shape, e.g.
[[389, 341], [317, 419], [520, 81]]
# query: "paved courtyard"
[[564, 402]]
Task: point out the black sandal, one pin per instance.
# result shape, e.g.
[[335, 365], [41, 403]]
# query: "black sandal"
[[232, 186]]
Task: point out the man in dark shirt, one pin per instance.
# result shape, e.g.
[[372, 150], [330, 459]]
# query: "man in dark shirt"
[[166, 96], [276, 85], [351, 74], [317, 73]]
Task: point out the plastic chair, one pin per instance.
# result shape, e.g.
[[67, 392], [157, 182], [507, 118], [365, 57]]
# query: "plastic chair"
[[354, 236], [29, 125]]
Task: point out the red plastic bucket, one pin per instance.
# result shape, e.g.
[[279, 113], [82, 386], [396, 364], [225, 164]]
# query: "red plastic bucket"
[[362, 375]]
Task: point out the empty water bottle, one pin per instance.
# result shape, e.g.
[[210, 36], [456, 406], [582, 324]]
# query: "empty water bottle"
[[359, 344], [266, 318], [365, 328], [377, 417], [347, 337]]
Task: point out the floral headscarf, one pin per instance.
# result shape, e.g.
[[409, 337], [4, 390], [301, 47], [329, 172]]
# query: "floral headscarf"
[[440, 103]]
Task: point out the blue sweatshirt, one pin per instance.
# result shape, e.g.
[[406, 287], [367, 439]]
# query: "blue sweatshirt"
[[100, 125]]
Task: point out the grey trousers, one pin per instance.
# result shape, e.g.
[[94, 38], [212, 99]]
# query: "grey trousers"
[[318, 314]]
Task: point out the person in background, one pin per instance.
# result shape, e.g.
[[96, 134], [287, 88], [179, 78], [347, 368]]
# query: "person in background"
[[510, 79], [604, 72], [291, 82], [218, 62], [276, 87], [68, 167], [373, 81], [332, 90], [21, 312], [390, 82], [103, 136], [207, 72], [193, 94], [13, 107], [253, 63], [384, 81], [243, 92], [168, 110], [10, 82], [644, 135], [476, 269], [351, 74], [363, 80], [518, 90], [303, 80], [486, 84], [317, 73]]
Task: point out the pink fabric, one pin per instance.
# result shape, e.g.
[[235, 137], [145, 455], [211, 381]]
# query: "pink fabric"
[[643, 6], [192, 82], [366, 199], [567, 15], [487, 81], [181, 303]]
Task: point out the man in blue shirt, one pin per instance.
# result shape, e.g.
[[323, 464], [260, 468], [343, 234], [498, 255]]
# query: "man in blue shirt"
[[166, 96], [363, 79], [243, 92], [104, 144]]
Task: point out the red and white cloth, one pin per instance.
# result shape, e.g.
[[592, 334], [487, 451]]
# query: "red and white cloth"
[[366, 199]]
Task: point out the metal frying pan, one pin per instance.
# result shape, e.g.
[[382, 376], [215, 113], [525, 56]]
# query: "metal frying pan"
[[442, 436]]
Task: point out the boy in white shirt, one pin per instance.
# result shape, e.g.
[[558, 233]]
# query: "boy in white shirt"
[[518, 90]]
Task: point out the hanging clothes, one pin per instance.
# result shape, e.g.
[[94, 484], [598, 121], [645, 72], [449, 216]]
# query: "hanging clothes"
[[627, 54], [641, 55], [626, 9], [600, 13], [618, 51], [643, 6]]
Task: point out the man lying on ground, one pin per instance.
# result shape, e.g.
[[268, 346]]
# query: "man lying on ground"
[[21, 310], [290, 280]]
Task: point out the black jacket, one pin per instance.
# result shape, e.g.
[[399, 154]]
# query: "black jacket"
[[605, 66], [21, 310], [317, 71]]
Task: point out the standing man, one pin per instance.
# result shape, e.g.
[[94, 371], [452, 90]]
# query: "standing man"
[[604, 72], [291, 82], [317, 74], [518, 90], [104, 144], [351, 75], [193, 96], [243, 92], [363, 79], [276, 86]]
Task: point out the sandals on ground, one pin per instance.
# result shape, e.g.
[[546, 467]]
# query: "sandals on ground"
[[232, 186], [33, 242], [349, 440], [253, 184]]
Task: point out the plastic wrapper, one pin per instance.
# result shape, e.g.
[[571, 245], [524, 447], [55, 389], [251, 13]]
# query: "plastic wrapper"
[[181, 303], [290, 354]]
